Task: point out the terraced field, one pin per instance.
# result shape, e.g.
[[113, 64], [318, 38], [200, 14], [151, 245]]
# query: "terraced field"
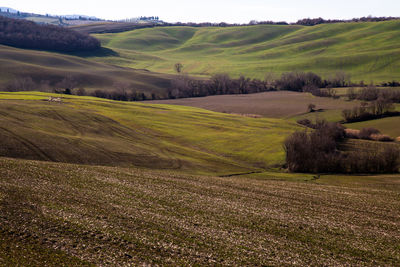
[[118, 216], [367, 51]]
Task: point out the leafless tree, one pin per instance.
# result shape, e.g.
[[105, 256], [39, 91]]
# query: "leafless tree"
[[178, 67]]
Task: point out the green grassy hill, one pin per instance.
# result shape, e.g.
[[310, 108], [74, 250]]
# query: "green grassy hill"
[[53, 67], [94, 131], [367, 51]]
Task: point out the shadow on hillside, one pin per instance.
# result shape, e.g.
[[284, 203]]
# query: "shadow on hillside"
[[101, 52]]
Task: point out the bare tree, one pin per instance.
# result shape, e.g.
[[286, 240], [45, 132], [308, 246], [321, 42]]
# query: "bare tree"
[[178, 67], [68, 84], [81, 91], [351, 93], [21, 84], [270, 78], [340, 79]]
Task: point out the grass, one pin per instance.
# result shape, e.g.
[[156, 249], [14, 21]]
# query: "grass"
[[53, 67], [367, 51], [122, 216], [389, 126], [96, 131]]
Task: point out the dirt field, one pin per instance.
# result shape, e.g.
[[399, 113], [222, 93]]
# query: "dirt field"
[[269, 104], [62, 214]]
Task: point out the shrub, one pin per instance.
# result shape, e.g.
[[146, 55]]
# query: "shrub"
[[351, 133], [381, 138], [307, 123], [366, 133]]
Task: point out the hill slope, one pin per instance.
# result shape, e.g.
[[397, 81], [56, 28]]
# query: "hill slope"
[[126, 216], [368, 51], [53, 67], [95, 131]]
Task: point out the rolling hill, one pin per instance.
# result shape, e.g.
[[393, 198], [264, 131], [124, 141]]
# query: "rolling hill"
[[86, 181], [53, 67], [178, 186], [89, 130], [367, 51]]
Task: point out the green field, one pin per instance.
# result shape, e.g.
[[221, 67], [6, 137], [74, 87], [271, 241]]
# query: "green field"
[[367, 51], [95, 131]]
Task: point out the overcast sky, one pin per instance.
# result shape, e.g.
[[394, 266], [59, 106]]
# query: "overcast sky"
[[239, 11]]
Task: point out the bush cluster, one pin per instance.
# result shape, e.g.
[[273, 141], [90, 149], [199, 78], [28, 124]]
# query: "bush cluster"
[[318, 152], [379, 108], [220, 84], [311, 82], [372, 93], [123, 95], [368, 134]]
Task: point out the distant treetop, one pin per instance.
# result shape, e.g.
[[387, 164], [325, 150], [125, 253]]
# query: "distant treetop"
[[27, 34]]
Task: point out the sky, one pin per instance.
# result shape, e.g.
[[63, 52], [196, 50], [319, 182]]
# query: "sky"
[[230, 11]]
